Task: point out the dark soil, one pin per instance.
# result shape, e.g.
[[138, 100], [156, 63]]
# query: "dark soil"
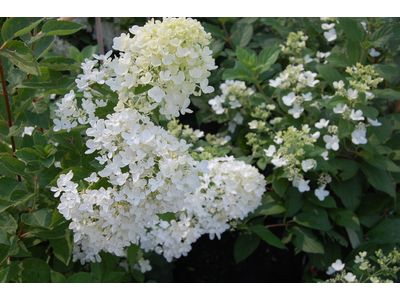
[[212, 261]]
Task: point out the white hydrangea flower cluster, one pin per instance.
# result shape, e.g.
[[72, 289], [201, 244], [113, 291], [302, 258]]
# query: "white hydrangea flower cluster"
[[161, 66], [291, 154], [297, 102], [230, 191], [365, 78], [295, 42], [172, 56], [151, 173], [70, 114], [294, 78], [235, 95]]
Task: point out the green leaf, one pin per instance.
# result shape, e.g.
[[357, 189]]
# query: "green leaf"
[[140, 89], [214, 30], [388, 70], [245, 245], [379, 179], [113, 277], [267, 236], [62, 248], [21, 56], [57, 277], [81, 277], [43, 45], [15, 27], [28, 154], [354, 52], [349, 191], [59, 63], [316, 218], [328, 202], [132, 253], [268, 209], [3, 237], [60, 27], [386, 33], [216, 47], [238, 74], [8, 223], [35, 271], [38, 114], [379, 134], [40, 218], [340, 239], [306, 241], [293, 201], [246, 57], [267, 57], [4, 250], [55, 233], [353, 29], [280, 186], [19, 196], [345, 128], [242, 36], [383, 163], [3, 274], [345, 218], [387, 231], [7, 185], [387, 93], [369, 247], [330, 74], [139, 276], [20, 250], [13, 164]]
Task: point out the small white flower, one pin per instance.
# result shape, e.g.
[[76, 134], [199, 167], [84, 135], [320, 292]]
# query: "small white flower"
[[374, 53], [325, 155], [359, 259], [332, 142], [374, 122], [270, 151], [356, 115], [330, 270], [340, 108], [330, 35], [275, 83], [307, 97], [308, 59], [350, 277], [28, 130], [358, 136], [322, 123], [338, 85], [364, 265], [92, 178], [338, 265], [253, 124], [321, 193], [296, 111], [279, 161], [352, 94], [308, 164], [289, 99], [374, 280], [326, 26], [301, 184]]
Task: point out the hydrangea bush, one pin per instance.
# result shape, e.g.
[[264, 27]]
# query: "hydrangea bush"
[[102, 180]]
